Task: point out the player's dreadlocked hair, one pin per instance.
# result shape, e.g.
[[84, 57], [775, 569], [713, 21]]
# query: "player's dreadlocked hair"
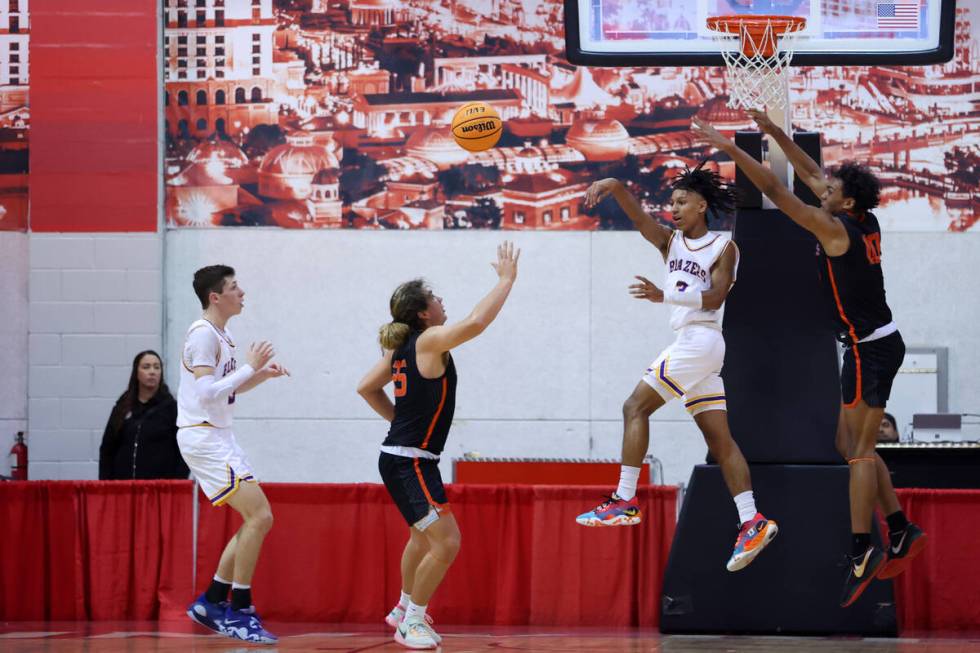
[[859, 184], [708, 184]]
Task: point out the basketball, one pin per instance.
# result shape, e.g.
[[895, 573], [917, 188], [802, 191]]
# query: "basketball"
[[477, 126]]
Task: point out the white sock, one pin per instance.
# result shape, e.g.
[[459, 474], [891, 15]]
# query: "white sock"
[[414, 612], [628, 476], [404, 599], [239, 586], [222, 580], [745, 503]]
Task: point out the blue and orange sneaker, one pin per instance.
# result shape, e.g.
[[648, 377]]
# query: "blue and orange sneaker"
[[614, 511], [246, 625], [210, 615], [753, 537]]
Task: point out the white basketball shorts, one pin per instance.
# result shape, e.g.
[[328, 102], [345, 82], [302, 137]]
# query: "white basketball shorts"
[[690, 369], [216, 460]]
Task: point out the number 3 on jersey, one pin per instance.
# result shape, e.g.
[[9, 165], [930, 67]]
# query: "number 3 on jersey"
[[872, 245], [399, 377]]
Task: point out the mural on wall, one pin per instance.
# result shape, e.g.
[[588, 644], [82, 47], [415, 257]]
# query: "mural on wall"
[[335, 114], [15, 114]]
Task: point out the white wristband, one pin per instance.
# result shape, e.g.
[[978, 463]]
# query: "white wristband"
[[677, 297]]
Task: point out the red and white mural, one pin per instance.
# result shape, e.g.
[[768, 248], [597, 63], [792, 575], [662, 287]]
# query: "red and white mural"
[[335, 114]]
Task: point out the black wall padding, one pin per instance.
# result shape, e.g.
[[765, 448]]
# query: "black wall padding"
[[809, 142], [781, 371], [794, 585], [749, 196]]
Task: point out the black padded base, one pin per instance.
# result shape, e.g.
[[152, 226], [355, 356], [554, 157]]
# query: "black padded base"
[[794, 585]]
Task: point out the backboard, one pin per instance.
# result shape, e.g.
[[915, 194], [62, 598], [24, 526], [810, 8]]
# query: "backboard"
[[838, 32]]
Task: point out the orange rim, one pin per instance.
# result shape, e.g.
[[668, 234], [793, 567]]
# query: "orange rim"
[[756, 27]]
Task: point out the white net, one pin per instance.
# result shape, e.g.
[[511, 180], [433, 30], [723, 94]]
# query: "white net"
[[757, 53]]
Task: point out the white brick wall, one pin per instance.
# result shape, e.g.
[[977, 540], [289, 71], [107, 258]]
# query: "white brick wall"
[[95, 301], [313, 427], [13, 340], [547, 379]]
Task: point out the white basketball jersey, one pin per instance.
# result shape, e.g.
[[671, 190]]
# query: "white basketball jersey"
[[689, 270], [205, 346]]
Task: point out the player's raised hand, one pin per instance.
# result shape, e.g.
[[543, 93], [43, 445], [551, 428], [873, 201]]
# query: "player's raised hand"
[[506, 265], [763, 121], [259, 354], [708, 134], [647, 289], [599, 191], [273, 370]]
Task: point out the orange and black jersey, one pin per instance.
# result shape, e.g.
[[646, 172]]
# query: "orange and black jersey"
[[854, 280], [423, 407]]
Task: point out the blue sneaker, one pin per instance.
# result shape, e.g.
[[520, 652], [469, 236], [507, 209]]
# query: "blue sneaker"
[[614, 511], [210, 615], [247, 626]]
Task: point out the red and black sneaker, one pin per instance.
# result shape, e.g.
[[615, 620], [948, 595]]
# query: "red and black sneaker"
[[860, 572], [903, 546]]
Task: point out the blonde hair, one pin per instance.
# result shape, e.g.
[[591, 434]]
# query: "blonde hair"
[[408, 300], [393, 335]]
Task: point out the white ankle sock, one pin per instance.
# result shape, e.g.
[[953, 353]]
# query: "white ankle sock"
[[414, 612], [745, 503], [404, 599], [628, 476]]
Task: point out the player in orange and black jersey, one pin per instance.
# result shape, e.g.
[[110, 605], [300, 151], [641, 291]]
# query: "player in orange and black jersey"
[[416, 359], [850, 260]]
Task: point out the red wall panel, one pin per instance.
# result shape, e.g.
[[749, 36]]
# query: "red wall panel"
[[94, 115]]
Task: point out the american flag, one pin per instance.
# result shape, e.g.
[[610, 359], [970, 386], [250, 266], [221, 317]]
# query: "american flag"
[[898, 15]]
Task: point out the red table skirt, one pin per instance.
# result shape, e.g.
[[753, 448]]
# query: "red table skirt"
[[125, 550]]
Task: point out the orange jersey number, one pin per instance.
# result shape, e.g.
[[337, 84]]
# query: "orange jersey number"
[[399, 377], [872, 245]]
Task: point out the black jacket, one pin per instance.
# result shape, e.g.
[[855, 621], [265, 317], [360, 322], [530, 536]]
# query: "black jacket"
[[145, 446]]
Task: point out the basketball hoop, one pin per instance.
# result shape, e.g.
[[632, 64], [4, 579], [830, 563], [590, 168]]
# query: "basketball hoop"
[[757, 51]]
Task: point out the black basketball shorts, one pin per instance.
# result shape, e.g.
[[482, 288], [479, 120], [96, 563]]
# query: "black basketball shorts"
[[869, 369], [415, 485]]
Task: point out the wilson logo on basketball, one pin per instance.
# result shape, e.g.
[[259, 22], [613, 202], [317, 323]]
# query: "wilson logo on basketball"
[[480, 127]]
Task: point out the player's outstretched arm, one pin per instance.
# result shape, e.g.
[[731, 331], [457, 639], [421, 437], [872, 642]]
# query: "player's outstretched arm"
[[827, 228], [656, 233], [439, 339], [804, 166], [371, 387]]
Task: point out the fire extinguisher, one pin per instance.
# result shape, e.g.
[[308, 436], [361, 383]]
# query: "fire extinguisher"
[[18, 470]]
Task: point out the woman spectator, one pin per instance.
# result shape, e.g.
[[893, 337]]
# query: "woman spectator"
[[140, 440]]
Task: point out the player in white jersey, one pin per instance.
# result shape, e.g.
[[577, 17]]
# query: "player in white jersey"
[[701, 267], [210, 379]]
